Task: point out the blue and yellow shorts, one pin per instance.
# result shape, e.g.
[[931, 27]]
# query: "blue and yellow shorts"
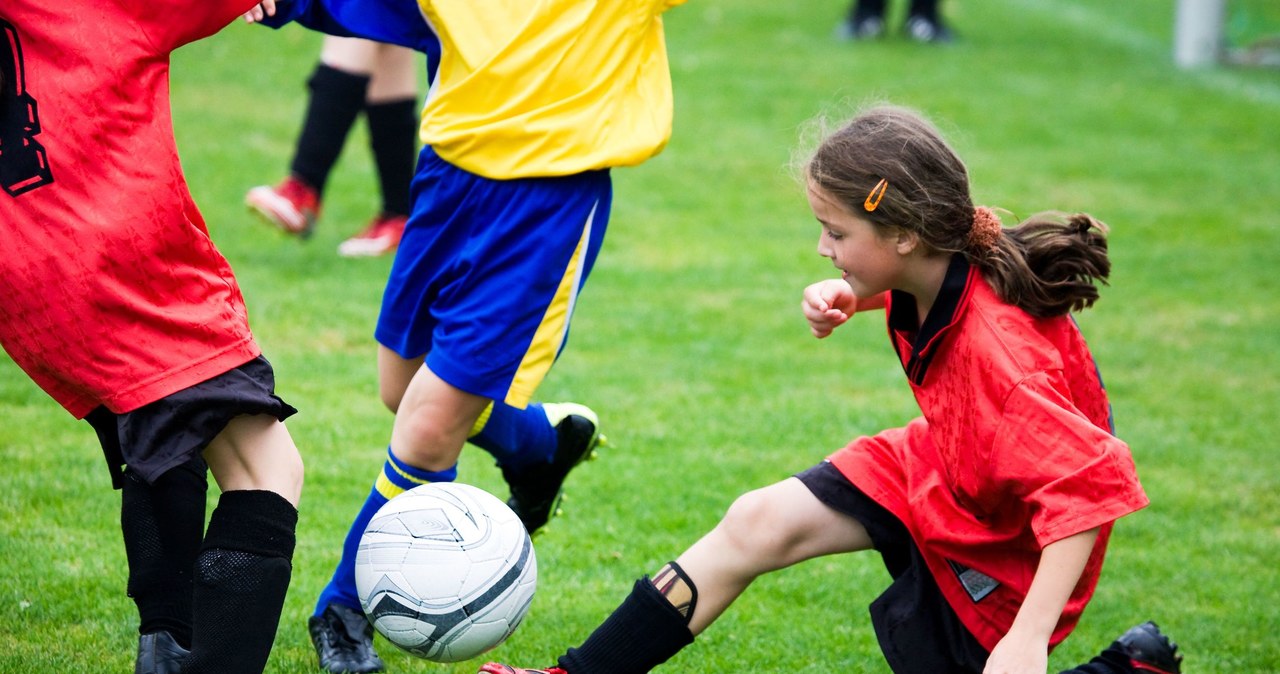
[[486, 277]]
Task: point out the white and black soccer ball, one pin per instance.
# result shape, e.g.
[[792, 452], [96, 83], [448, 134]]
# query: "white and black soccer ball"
[[446, 571]]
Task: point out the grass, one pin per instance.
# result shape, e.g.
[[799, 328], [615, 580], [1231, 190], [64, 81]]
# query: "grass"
[[689, 343]]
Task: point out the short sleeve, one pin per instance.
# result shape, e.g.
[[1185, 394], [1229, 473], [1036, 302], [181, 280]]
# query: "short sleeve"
[[1072, 474], [170, 25]]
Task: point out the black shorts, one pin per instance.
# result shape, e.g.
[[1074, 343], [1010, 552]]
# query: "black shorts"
[[176, 428], [918, 630]]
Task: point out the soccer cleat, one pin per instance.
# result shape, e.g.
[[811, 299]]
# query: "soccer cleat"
[[923, 29], [343, 639], [1149, 650], [159, 653], [293, 205], [860, 26], [382, 236], [536, 489], [496, 668]]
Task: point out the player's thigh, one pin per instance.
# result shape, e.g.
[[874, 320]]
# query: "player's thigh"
[[785, 523], [394, 374], [349, 54], [395, 74], [256, 452]]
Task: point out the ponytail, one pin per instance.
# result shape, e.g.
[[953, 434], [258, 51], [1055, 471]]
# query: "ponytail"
[[1049, 265]]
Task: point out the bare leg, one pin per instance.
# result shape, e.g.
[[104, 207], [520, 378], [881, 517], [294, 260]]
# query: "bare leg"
[[764, 530]]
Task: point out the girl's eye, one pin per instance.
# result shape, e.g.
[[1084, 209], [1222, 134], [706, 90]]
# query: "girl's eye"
[[834, 236]]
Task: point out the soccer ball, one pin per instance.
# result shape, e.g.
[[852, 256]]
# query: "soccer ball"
[[445, 571]]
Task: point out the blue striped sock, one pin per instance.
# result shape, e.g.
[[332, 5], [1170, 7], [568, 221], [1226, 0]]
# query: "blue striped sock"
[[517, 437], [396, 478]]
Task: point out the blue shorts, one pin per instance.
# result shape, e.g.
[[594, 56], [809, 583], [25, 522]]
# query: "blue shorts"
[[485, 279]]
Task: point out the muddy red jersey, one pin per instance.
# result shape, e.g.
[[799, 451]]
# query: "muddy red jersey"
[[111, 292], [1014, 450]]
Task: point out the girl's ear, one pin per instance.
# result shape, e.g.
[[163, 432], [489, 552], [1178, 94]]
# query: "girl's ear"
[[906, 241]]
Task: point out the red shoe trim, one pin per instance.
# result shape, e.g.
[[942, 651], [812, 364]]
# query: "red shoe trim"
[[1147, 668]]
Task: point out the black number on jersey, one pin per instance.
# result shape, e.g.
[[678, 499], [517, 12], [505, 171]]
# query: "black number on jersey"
[[24, 165]]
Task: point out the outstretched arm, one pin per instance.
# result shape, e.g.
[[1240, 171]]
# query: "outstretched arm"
[[397, 22], [1025, 648]]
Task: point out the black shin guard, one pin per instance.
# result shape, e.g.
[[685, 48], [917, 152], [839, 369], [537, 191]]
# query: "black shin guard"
[[393, 135], [163, 524], [336, 100], [642, 633], [242, 574]]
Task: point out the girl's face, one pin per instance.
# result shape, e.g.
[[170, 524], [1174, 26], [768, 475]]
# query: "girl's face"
[[869, 260]]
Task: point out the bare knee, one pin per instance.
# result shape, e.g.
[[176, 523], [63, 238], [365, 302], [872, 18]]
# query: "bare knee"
[[754, 529]]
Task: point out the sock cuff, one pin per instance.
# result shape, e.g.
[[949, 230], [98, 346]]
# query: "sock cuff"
[[644, 632], [327, 76], [649, 594], [398, 108], [411, 476], [256, 521]]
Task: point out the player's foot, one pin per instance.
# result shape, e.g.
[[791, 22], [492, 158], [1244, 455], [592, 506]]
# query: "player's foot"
[[1149, 650], [495, 668], [382, 236], [159, 653], [535, 490], [860, 28], [343, 639], [924, 29], [293, 205]]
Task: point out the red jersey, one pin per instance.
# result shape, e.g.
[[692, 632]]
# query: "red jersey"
[[111, 292], [1014, 450]]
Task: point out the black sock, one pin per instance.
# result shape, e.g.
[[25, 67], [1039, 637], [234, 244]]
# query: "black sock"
[[241, 577], [393, 135], [865, 9], [163, 524], [926, 8], [642, 633], [335, 101]]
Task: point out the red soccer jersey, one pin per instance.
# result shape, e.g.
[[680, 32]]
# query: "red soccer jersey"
[[1014, 450], [111, 292]]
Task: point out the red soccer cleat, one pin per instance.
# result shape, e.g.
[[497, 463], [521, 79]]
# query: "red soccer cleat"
[[293, 205], [496, 668], [382, 236]]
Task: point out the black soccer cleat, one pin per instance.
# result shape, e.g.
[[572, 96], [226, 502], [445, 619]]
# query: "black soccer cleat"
[[536, 489], [1149, 650], [159, 653], [343, 638]]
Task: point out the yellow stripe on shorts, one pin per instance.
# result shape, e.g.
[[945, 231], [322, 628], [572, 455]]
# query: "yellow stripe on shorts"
[[555, 324]]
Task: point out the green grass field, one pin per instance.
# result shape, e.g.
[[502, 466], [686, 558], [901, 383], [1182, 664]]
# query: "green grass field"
[[689, 343]]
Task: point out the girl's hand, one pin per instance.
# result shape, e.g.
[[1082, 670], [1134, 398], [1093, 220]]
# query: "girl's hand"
[[264, 8], [1018, 654], [827, 305]]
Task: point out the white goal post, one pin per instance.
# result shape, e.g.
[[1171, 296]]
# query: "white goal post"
[[1199, 32]]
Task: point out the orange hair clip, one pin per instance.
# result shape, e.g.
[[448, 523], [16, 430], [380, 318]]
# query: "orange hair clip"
[[876, 194]]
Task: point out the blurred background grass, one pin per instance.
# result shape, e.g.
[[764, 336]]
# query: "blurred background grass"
[[689, 344]]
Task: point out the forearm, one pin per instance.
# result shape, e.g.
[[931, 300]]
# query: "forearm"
[[1061, 565]]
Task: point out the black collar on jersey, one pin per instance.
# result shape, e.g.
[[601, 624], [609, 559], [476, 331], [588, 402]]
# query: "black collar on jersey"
[[946, 311]]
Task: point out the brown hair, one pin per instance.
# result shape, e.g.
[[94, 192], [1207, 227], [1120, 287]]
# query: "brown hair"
[[1048, 265]]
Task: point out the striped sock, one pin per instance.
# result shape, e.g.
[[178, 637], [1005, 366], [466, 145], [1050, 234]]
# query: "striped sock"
[[396, 478]]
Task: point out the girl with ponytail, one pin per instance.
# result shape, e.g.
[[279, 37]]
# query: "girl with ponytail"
[[992, 510]]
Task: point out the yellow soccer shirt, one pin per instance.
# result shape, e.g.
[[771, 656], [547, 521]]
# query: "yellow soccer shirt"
[[548, 88]]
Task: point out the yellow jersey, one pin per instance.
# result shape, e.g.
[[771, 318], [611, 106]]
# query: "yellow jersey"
[[531, 88]]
